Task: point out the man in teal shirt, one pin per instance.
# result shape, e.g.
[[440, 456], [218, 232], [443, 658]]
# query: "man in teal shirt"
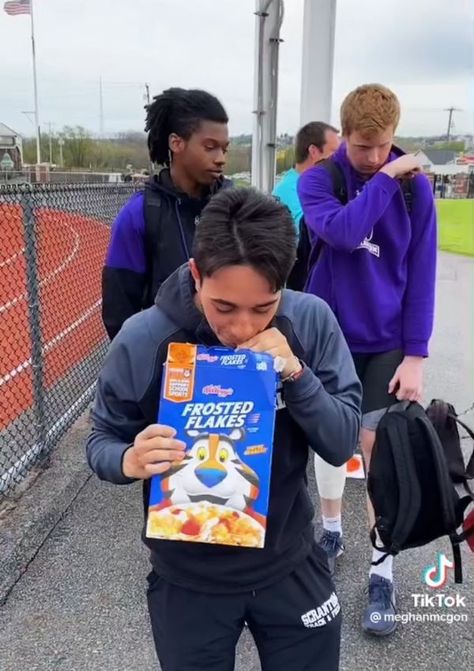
[[314, 142]]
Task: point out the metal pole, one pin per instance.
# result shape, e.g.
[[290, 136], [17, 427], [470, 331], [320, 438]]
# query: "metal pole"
[[50, 143], [269, 17], [61, 157], [35, 88], [319, 24], [34, 315], [449, 123], [450, 120], [101, 109]]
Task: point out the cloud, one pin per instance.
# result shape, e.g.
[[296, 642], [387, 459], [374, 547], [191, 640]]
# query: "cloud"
[[416, 46]]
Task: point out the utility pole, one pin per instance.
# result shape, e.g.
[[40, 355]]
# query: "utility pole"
[[61, 145], [101, 109], [450, 119], [50, 137]]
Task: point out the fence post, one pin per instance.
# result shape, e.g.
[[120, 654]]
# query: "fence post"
[[34, 315]]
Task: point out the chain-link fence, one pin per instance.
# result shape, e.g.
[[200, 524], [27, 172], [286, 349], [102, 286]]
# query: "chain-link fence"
[[53, 241]]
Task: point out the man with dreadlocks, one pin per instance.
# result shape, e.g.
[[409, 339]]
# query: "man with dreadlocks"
[[153, 233]]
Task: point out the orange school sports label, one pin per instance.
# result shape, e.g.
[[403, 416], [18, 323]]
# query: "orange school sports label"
[[180, 372]]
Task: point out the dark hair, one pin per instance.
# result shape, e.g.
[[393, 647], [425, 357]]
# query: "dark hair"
[[178, 111], [313, 132], [245, 227]]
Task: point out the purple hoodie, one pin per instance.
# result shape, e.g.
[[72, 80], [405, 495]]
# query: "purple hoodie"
[[377, 269]]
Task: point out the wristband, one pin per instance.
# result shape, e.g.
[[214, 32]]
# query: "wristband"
[[293, 377]]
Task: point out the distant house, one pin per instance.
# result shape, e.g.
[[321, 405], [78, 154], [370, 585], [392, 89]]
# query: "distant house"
[[11, 143], [442, 162], [436, 157], [465, 159]]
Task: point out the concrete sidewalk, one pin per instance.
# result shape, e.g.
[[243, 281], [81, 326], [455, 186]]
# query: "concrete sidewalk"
[[80, 603]]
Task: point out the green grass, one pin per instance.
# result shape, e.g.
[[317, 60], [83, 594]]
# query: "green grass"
[[456, 226]]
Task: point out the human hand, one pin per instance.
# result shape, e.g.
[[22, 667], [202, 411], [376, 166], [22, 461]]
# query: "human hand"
[[153, 451], [407, 383], [408, 165], [272, 341]]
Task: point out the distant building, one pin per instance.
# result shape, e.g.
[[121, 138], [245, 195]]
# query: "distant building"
[[12, 144], [444, 162], [465, 159], [436, 157]]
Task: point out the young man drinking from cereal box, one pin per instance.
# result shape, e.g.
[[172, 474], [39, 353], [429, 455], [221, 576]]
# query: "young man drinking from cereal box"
[[231, 294]]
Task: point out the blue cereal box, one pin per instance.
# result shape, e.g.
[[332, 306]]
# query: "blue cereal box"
[[222, 404]]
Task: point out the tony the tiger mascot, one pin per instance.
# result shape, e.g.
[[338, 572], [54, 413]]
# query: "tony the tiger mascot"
[[212, 471]]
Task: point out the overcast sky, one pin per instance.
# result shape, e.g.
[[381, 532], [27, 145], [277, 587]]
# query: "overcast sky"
[[420, 48]]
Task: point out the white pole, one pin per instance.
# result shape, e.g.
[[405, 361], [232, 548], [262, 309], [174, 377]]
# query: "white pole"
[[319, 26], [35, 87], [269, 16]]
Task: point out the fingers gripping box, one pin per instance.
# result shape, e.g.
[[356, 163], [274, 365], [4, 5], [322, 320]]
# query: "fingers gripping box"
[[222, 405]]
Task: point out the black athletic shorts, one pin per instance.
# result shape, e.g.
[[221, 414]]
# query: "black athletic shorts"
[[296, 623], [375, 372]]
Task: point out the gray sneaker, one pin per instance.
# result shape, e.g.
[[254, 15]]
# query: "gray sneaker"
[[331, 543], [379, 616]]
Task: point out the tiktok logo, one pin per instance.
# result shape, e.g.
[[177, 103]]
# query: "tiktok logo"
[[436, 575]]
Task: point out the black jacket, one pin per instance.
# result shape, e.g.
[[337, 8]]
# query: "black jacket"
[[151, 237]]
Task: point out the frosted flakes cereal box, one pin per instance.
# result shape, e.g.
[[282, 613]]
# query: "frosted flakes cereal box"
[[222, 404]]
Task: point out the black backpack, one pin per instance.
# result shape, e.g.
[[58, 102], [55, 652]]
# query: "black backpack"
[[307, 255], [416, 460]]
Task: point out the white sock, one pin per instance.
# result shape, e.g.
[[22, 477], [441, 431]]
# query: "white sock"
[[385, 568], [333, 524]]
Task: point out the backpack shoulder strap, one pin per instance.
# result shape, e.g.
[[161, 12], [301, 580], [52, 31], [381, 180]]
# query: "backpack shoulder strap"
[[407, 192], [151, 205], [339, 190], [410, 494], [339, 187], [444, 418], [151, 213]]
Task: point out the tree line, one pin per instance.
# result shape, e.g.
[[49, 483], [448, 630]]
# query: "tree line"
[[75, 148]]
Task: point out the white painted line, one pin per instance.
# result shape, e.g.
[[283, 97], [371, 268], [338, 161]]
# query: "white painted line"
[[11, 258], [51, 276], [46, 348]]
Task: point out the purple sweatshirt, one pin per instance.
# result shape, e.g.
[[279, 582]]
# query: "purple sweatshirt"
[[377, 269]]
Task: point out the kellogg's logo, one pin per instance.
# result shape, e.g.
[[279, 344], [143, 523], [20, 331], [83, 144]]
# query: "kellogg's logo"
[[204, 356], [217, 390]]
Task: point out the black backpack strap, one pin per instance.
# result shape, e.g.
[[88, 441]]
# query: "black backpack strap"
[[380, 548], [445, 483], [410, 494], [151, 213], [457, 560], [299, 274], [443, 417], [407, 192], [339, 187], [339, 190], [442, 473], [469, 470]]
